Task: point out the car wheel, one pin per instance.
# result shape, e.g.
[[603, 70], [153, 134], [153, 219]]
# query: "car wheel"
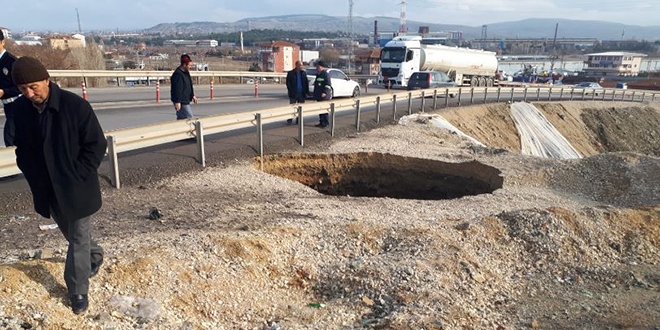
[[356, 92]]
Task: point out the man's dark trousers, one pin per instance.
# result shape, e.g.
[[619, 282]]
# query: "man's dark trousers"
[[82, 252], [9, 129]]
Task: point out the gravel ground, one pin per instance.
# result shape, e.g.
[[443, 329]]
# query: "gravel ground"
[[562, 245]]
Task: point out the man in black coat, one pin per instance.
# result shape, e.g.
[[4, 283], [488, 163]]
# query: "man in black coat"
[[59, 147], [297, 86], [8, 91], [182, 91]]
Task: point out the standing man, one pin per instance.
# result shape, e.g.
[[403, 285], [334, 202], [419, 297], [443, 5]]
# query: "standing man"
[[182, 92], [59, 147], [297, 86], [8, 91], [322, 91]]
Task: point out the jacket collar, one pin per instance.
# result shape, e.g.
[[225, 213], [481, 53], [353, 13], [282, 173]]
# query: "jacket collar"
[[54, 97]]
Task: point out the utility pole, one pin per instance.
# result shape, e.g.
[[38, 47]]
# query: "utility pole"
[[553, 57], [402, 19], [484, 32], [350, 34], [78, 15]]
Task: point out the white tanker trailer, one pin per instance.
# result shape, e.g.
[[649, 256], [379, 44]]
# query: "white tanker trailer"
[[404, 55]]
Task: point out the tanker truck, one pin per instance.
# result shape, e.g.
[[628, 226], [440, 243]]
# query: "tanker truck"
[[404, 55]]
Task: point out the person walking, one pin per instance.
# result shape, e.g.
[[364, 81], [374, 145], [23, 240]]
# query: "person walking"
[[182, 92], [59, 147], [8, 91], [297, 86], [322, 91]]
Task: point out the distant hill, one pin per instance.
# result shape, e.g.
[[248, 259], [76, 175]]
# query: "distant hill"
[[528, 28]]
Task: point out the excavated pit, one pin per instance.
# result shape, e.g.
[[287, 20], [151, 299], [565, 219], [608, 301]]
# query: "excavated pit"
[[385, 175]]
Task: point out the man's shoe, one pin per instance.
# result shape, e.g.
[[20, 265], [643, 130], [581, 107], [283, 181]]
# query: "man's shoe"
[[321, 125], [95, 268], [79, 303], [289, 121]]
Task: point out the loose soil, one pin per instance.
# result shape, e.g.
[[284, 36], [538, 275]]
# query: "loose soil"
[[563, 244]]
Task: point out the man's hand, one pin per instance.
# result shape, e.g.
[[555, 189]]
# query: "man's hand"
[[194, 99], [2, 92], [177, 106], [323, 94]]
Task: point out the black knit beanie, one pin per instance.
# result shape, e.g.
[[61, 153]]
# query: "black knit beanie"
[[28, 70]]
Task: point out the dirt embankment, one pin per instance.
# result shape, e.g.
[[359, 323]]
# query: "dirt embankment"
[[561, 245]]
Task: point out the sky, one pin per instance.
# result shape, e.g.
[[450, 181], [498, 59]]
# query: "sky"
[[60, 15]]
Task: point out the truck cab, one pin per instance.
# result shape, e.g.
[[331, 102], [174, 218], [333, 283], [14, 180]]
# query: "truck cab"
[[398, 60]]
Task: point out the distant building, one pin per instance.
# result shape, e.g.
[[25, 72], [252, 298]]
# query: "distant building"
[[280, 57], [613, 64], [29, 40], [180, 43], [207, 43], [367, 61], [308, 56], [66, 42]]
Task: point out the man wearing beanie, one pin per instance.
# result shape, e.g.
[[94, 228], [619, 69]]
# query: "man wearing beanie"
[[182, 92], [8, 91], [59, 147]]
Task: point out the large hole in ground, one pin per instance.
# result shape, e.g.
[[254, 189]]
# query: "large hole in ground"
[[385, 175]]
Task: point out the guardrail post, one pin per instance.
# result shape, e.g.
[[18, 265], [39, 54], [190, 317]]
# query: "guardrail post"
[[394, 106], [613, 94], [512, 89], [212, 91], [357, 115], [409, 103], [604, 92], [525, 95], [112, 160], [561, 93], [572, 93], [332, 119], [499, 92], [301, 132], [256, 87], [199, 131], [84, 89], [460, 91], [623, 95], [423, 100], [653, 98], [118, 82], [377, 109], [550, 94], [471, 95], [485, 95], [593, 94], [157, 91], [447, 98], [632, 99], [643, 96], [260, 140], [435, 99], [584, 94], [538, 94]]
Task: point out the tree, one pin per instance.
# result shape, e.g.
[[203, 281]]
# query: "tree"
[[330, 56]]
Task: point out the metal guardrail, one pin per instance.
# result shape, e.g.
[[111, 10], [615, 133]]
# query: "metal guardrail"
[[128, 139], [167, 74]]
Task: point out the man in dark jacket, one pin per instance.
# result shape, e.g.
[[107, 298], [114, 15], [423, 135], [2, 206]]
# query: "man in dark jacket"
[[59, 147], [297, 86], [182, 92], [8, 91], [322, 91]]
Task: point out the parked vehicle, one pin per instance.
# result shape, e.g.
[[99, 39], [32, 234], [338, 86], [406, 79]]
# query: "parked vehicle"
[[589, 88], [342, 85], [430, 79], [404, 55], [622, 85]]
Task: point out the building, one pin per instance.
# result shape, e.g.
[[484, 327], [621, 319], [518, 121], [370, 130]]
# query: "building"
[[207, 43], [309, 56], [280, 57], [66, 42], [29, 40], [180, 43], [613, 64]]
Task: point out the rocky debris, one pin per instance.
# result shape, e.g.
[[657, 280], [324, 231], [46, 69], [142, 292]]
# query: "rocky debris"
[[243, 249]]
